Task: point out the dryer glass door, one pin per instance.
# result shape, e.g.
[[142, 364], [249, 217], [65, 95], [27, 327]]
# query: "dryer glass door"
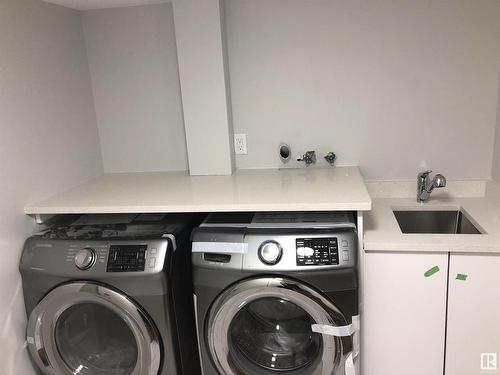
[[88, 328], [94, 336], [264, 326]]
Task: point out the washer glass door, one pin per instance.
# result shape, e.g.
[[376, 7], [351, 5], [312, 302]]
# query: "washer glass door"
[[91, 329], [92, 336], [275, 334], [264, 326]]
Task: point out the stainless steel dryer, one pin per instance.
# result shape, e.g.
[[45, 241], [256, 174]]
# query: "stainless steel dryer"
[[101, 298], [277, 293]]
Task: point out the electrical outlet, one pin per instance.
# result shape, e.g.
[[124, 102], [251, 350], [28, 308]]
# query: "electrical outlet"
[[240, 144]]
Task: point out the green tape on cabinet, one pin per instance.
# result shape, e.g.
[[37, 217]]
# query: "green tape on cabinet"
[[431, 271], [461, 277]]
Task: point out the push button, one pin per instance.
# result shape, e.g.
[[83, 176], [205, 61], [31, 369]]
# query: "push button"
[[345, 255], [151, 262], [344, 243]]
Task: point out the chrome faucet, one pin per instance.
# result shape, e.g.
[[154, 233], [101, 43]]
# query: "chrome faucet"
[[425, 187]]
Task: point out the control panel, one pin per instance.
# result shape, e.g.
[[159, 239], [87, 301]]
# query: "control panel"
[[276, 250], [126, 258], [97, 259], [317, 251]]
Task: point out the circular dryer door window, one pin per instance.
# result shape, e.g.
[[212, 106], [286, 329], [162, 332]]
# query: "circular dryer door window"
[[90, 329], [264, 326], [94, 336]]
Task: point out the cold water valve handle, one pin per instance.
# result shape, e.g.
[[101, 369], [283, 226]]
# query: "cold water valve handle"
[[309, 158], [330, 158]]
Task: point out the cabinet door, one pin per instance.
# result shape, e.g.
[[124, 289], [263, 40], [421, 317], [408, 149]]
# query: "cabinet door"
[[473, 314], [403, 317]]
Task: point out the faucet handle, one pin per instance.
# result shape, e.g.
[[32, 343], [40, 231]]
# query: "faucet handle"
[[439, 181], [425, 174], [309, 158]]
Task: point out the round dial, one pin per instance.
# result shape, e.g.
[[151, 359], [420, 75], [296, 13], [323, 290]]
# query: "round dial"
[[270, 252], [85, 258]]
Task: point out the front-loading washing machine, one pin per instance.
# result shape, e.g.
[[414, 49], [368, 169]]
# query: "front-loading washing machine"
[[110, 295], [277, 294]]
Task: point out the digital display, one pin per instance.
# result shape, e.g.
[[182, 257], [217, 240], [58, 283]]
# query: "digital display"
[[317, 251], [126, 258]]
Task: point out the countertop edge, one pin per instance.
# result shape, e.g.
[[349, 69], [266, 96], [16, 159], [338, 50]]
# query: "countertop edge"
[[48, 210], [235, 192], [395, 248]]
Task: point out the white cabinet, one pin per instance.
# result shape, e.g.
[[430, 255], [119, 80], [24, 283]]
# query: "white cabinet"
[[473, 314], [403, 326]]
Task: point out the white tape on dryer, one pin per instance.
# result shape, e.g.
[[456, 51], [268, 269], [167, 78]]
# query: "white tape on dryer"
[[339, 331], [350, 368], [220, 247], [343, 331]]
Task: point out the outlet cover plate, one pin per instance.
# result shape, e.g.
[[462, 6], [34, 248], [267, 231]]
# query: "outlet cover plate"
[[240, 144]]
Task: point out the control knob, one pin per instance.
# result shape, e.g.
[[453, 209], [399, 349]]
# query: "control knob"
[[270, 252], [85, 258]]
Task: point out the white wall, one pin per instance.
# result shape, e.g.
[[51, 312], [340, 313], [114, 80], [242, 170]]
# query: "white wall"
[[385, 84], [100, 4], [48, 139], [133, 63], [496, 151]]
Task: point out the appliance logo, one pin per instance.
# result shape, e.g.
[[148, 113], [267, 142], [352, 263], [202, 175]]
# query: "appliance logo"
[[38, 244], [488, 362]]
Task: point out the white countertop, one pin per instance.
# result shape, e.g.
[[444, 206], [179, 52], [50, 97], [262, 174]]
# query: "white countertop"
[[382, 232], [311, 189]]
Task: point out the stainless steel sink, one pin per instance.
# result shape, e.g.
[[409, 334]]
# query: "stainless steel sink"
[[438, 222]]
